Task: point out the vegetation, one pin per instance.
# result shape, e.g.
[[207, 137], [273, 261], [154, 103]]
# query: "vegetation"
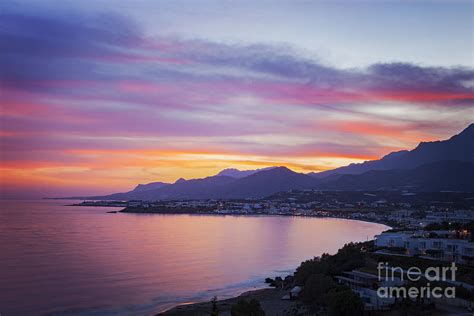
[[348, 258], [462, 292], [413, 307], [247, 308], [343, 302], [215, 310], [316, 288], [319, 289]]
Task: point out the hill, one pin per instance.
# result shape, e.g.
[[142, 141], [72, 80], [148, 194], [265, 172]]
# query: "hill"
[[267, 182], [432, 177], [459, 147], [431, 166]]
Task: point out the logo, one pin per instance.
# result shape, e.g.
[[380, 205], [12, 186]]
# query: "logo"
[[396, 282]]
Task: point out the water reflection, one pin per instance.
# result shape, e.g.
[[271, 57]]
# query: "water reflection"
[[64, 258]]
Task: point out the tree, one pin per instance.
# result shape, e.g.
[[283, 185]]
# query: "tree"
[[215, 310], [348, 258], [316, 288], [247, 308], [344, 302]]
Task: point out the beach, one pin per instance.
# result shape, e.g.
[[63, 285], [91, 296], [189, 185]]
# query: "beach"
[[270, 300]]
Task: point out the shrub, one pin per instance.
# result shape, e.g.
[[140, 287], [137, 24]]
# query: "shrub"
[[247, 308], [316, 288], [346, 259], [344, 302], [215, 310]]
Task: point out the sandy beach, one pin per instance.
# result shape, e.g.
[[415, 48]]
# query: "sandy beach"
[[270, 300]]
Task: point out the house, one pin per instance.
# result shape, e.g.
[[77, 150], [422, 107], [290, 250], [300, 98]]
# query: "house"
[[134, 203], [365, 285], [438, 245], [355, 279], [392, 239], [458, 216]]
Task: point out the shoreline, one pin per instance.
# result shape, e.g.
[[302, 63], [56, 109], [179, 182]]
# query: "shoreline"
[[389, 225], [269, 298], [207, 213]]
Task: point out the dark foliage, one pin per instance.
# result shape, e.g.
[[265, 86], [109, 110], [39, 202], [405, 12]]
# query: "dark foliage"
[[347, 258], [247, 308], [343, 302], [215, 310], [316, 288]]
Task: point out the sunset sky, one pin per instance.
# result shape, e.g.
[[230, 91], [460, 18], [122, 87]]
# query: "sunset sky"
[[98, 96]]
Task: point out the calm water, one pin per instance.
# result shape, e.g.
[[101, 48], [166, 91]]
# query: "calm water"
[[81, 260]]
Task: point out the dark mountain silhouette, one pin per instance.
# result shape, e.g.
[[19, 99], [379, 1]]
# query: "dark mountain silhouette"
[[432, 177], [205, 188], [180, 180], [256, 185], [149, 186], [431, 166], [266, 182], [459, 147], [137, 193], [236, 173]]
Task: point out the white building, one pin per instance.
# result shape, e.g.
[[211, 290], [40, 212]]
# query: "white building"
[[459, 216], [441, 247], [365, 285], [134, 203]]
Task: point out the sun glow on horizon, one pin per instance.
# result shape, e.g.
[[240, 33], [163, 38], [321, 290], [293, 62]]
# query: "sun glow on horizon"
[[95, 103]]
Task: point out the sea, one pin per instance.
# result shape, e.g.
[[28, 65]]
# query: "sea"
[[57, 259]]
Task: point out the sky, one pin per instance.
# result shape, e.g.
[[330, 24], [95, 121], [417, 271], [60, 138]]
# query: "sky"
[[98, 96]]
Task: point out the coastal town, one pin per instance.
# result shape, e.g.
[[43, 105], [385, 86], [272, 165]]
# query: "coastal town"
[[425, 230], [237, 158], [401, 210]]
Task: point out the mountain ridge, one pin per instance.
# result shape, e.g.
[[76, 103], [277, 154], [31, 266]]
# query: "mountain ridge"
[[236, 173], [458, 147], [450, 175], [386, 173]]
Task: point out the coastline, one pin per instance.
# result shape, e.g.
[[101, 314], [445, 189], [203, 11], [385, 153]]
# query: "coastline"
[[129, 210], [389, 225], [269, 298]]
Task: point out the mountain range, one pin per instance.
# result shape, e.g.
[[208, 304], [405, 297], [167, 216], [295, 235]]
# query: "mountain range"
[[459, 147], [446, 165]]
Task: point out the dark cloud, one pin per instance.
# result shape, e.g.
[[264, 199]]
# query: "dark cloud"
[[109, 48], [66, 47], [412, 77]]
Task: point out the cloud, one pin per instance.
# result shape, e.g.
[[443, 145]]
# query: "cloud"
[[404, 76], [74, 83], [111, 48]]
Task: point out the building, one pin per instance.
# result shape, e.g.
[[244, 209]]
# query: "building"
[[459, 216], [134, 203], [365, 285], [439, 245]]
